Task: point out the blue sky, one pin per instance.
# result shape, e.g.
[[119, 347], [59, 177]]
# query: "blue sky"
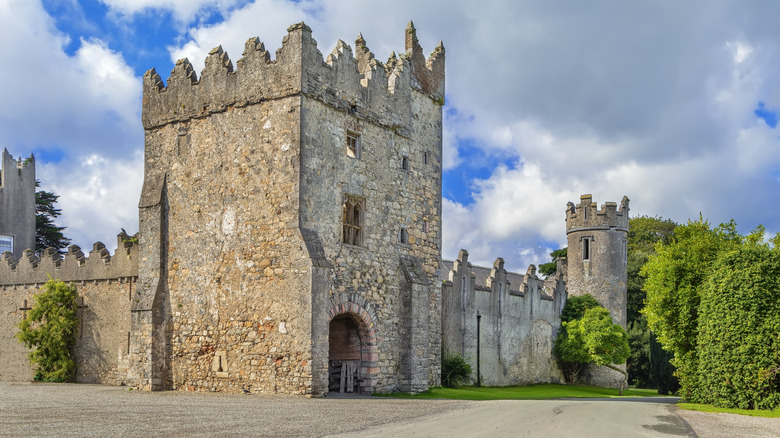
[[674, 105]]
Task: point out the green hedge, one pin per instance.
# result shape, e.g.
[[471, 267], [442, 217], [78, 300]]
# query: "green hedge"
[[739, 330]]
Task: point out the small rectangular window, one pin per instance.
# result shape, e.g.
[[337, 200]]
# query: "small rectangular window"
[[6, 243], [426, 229], [404, 236], [586, 249], [353, 145], [405, 163], [352, 220], [426, 156]]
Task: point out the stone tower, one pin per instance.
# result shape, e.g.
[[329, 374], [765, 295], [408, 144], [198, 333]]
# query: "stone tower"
[[597, 263], [290, 222], [597, 255], [17, 204]]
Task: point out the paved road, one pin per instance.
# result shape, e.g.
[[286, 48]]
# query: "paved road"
[[91, 410]]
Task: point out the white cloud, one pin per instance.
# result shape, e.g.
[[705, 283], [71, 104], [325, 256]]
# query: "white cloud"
[[599, 98], [98, 196], [84, 107], [183, 10], [655, 101]]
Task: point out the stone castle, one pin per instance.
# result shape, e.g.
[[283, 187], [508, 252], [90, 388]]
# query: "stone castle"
[[290, 240]]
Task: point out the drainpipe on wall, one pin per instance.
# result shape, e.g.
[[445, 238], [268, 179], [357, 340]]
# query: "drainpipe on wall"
[[479, 383]]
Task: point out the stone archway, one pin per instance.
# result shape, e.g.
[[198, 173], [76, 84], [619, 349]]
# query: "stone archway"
[[352, 356]]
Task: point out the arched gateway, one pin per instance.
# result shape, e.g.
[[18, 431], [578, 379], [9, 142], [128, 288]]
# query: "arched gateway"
[[352, 356]]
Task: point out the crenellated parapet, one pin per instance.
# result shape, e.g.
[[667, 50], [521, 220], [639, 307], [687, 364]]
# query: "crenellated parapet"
[[499, 280], [74, 266], [354, 82], [428, 74], [14, 169], [587, 215]]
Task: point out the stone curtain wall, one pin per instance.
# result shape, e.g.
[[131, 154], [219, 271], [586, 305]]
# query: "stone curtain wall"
[[520, 317], [104, 285]]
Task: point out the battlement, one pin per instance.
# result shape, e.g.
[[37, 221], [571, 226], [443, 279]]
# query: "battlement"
[[587, 215], [488, 280], [23, 169], [355, 83], [74, 266]]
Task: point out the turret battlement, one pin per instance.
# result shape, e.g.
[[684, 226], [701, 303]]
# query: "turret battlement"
[[14, 170], [74, 266], [355, 83], [587, 215]]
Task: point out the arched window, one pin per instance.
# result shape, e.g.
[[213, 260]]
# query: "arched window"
[[353, 212]]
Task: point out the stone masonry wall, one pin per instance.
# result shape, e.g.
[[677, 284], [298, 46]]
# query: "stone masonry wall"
[[394, 120], [237, 265], [519, 321], [241, 218], [104, 285]]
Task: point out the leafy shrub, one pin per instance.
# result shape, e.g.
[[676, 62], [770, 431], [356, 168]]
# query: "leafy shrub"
[[454, 370], [49, 328], [576, 306], [588, 335]]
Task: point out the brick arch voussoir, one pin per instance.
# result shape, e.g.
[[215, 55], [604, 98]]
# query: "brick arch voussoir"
[[361, 311]]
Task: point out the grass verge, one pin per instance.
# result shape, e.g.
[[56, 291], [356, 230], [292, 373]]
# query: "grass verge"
[[532, 392], [710, 408]]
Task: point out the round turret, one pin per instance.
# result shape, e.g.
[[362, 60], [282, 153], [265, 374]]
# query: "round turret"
[[597, 255]]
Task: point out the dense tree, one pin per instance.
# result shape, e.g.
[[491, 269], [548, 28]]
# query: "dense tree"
[[645, 232], [576, 306], [645, 368], [676, 275], [575, 309], [595, 339], [548, 269], [739, 332], [49, 328], [47, 233]]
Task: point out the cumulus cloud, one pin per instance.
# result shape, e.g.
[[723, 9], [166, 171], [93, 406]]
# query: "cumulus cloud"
[[183, 10], [657, 101], [98, 196], [80, 113], [654, 101]]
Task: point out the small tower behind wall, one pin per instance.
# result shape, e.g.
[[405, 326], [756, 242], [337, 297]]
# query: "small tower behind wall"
[[17, 204]]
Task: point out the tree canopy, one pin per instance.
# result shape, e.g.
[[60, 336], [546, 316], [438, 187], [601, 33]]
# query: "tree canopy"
[[548, 269], [712, 300], [649, 365], [596, 339], [47, 233]]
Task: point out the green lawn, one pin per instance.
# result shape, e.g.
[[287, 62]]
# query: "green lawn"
[[531, 392], [710, 408]]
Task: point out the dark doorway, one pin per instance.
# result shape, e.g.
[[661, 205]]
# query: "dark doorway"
[[344, 355]]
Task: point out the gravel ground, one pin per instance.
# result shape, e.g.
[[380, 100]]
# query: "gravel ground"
[[42, 409], [711, 425]]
